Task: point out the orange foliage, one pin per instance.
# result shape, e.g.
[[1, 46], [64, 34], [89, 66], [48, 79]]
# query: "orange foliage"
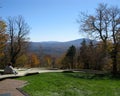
[[34, 60], [3, 36]]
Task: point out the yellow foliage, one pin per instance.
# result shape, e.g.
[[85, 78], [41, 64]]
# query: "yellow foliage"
[[34, 60], [48, 59], [3, 36], [22, 61]]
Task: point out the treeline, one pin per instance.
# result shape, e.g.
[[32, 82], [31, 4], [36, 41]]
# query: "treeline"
[[89, 56], [104, 25]]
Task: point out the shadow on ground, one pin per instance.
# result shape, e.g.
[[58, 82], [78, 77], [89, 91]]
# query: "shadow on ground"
[[87, 75]]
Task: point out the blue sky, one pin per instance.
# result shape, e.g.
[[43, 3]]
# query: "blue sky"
[[51, 20]]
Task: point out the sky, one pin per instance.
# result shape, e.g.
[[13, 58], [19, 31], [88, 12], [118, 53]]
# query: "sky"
[[51, 20]]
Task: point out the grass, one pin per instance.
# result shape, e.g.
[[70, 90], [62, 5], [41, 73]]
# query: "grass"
[[71, 84]]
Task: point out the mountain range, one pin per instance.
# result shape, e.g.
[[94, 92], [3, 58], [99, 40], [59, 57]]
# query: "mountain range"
[[53, 47]]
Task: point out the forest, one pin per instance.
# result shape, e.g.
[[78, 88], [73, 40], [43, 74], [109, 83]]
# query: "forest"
[[103, 26]]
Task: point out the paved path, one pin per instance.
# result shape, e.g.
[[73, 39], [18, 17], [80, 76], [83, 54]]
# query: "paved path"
[[27, 71], [10, 86]]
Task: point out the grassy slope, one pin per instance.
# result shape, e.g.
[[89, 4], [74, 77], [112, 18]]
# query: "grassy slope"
[[70, 84]]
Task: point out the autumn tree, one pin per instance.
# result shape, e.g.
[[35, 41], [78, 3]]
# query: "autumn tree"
[[114, 13], [91, 56], [2, 33], [34, 60], [17, 30], [3, 39], [100, 61], [48, 60], [3, 36], [23, 61], [65, 63], [104, 25], [60, 62]]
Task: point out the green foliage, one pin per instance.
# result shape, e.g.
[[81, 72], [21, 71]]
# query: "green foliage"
[[71, 52], [84, 54], [69, 58], [92, 56]]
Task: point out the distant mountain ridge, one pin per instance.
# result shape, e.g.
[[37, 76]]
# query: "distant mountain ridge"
[[54, 47]]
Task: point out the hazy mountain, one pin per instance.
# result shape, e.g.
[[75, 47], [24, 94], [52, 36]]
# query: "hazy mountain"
[[54, 47]]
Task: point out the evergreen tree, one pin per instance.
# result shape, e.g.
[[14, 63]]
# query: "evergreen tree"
[[84, 57], [69, 58]]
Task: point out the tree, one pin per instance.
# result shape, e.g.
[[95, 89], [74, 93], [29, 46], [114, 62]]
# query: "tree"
[[60, 62], [105, 25], [100, 59], [3, 36], [97, 25], [17, 30], [70, 56], [3, 41], [49, 61], [22, 61], [34, 61], [115, 32], [84, 55]]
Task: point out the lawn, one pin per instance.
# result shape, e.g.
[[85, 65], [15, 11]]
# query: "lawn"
[[71, 84]]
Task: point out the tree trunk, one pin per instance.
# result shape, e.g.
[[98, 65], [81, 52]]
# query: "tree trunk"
[[13, 61], [114, 60], [86, 65]]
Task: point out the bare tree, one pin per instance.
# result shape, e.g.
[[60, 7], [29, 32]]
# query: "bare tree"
[[18, 31], [105, 25], [115, 36], [97, 25]]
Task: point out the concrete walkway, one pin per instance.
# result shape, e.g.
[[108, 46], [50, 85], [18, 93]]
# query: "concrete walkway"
[[9, 86], [23, 72]]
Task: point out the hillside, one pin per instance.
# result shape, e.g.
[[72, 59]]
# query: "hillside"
[[53, 47]]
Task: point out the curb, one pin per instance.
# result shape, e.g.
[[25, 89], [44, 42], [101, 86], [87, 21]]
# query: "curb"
[[22, 92]]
